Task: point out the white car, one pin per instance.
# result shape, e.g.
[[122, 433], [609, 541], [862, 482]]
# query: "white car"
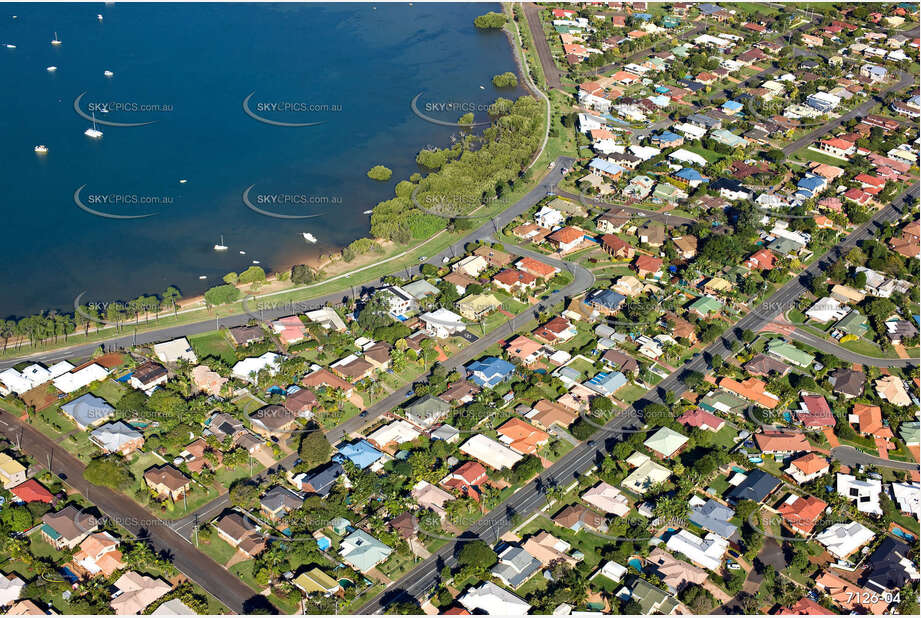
[[732, 566]]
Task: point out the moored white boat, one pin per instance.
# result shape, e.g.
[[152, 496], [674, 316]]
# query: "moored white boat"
[[309, 237]]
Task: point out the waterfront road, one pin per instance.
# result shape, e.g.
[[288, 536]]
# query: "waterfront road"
[[127, 338], [219, 582], [577, 462]]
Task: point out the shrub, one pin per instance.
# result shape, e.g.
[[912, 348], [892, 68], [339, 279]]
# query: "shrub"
[[381, 173]]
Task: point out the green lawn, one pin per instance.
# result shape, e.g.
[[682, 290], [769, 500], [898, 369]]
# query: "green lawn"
[[247, 403], [630, 393], [110, 390], [217, 548], [213, 343], [52, 422]]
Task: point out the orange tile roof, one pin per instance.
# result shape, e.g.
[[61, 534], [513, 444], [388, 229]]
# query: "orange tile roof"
[[870, 421], [771, 441], [566, 235], [535, 267], [802, 513], [524, 437], [752, 389], [810, 463]]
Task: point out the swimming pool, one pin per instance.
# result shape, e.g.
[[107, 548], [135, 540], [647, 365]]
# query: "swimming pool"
[[636, 564]]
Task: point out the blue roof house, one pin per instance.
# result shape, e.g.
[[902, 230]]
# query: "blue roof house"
[[360, 453], [667, 138], [88, 410], [811, 185], [605, 167], [731, 107], [709, 9], [489, 371], [607, 383], [608, 301], [690, 176]]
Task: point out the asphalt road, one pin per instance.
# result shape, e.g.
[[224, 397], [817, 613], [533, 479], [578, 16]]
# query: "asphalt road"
[[860, 111], [663, 217], [529, 498], [850, 456], [198, 567], [542, 46], [844, 354], [128, 339]]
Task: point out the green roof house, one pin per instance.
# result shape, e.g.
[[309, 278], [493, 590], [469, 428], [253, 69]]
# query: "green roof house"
[[789, 352], [723, 401], [705, 306], [853, 324], [362, 551], [652, 600], [666, 442], [911, 433]]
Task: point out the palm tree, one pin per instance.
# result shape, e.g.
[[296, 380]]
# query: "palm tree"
[[170, 297]]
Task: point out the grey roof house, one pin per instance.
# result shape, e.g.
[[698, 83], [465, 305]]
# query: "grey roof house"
[[516, 566]]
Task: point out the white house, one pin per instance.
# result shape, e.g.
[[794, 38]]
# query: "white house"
[[494, 454], [549, 217], [827, 309], [686, 156], [396, 432], [707, 552], [75, 380], [247, 366], [690, 131], [172, 351], [864, 493], [399, 300], [442, 323], [10, 588], [908, 497], [491, 599], [843, 539]]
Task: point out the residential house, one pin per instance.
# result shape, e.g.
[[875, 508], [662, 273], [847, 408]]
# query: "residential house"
[[279, 501], [488, 451], [848, 382], [757, 486], [607, 499], [29, 491], [246, 335], [174, 351], [707, 551], [865, 493], [489, 598], [273, 421], [556, 330], [675, 574], [808, 468], [802, 513], [360, 452], [117, 437], [647, 266], [167, 482], [616, 247], [12, 472], [241, 533], [362, 551], [135, 592], [477, 306], [98, 555], [515, 566], [666, 442], [576, 517], [148, 376], [843, 539], [522, 437], [714, 517], [490, 371], [430, 497], [782, 442], [88, 411], [67, 528]]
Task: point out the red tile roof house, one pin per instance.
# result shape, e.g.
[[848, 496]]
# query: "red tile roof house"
[[808, 467], [536, 268], [646, 265], [290, 329], [802, 514], [301, 403], [513, 280], [701, 419], [779, 442], [466, 478], [815, 412], [32, 491], [858, 195], [870, 182], [869, 420], [566, 239], [615, 246], [556, 329], [762, 259], [837, 147], [803, 607]]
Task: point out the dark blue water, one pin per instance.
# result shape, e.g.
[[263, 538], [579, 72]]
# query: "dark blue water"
[[198, 63]]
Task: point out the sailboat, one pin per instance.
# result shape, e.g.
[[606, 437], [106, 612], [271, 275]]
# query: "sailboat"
[[108, 73], [55, 40], [93, 132], [221, 246]]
